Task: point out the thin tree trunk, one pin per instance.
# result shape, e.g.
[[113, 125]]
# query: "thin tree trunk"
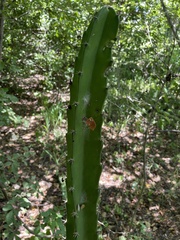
[[174, 30], [1, 25]]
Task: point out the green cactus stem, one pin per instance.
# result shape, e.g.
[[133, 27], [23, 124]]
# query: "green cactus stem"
[[88, 91]]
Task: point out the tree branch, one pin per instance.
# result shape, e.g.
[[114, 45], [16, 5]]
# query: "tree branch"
[[144, 158], [174, 31], [1, 25]]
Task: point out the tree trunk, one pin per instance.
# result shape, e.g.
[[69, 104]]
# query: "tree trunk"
[[1, 25]]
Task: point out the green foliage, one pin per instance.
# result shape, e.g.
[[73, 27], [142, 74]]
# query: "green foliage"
[[17, 200], [144, 56], [53, 117], [43, 37], [8, 116], [43, 33], [145, 53], [52, 220]]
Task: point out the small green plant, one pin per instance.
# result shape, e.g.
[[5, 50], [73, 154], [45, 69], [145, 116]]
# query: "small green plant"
[[8, 116], [15, 191], [53, 117]]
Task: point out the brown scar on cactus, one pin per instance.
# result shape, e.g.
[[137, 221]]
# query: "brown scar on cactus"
[[90, 123]]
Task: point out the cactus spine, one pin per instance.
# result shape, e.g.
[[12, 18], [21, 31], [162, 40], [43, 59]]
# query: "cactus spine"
[[87, 95]]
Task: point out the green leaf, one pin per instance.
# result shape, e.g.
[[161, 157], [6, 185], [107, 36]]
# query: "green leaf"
[[37, 229], [10, 217], [7, 207], [33, 238], [1, 65], [122, 238]]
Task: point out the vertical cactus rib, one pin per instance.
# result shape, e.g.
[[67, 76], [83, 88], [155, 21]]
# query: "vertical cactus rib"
[[87, 95]]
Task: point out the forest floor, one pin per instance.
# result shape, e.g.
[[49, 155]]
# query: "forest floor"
[[125, 212]]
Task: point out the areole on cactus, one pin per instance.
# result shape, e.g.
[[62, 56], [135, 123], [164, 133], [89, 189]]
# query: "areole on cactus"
[[88, 91]]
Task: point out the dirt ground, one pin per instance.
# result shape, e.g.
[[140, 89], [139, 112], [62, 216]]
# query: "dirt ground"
[[124, 210]]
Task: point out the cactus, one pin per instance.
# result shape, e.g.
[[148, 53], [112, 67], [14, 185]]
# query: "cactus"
[[87, 95]]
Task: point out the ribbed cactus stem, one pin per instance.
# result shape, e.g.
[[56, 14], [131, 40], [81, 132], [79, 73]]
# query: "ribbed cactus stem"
[[87, 95]]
